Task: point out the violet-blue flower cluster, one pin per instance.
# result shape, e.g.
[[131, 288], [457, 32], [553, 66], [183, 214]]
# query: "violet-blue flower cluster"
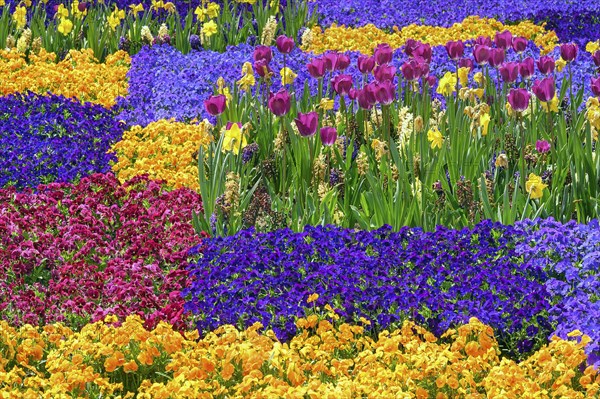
[[47, 139], [439, 279], [579, 21]]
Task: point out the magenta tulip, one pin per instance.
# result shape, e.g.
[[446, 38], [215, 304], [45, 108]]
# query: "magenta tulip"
[[385, 92], [263, 53], [342, 84], [412, 70], [352, 94], [316, 68], [503, 40], [366, 97], [410, 46], [330, 59], [279, 103], [431, 80], [284, 44], [307, 123], [215, 105], [455, 49], [519, 44], [596, 87], [497, 56], [519, 99], [546, 64], [527, 67], [328, 135], [481, 54], [544, 89], [596, 58], [383, 54], [568, 51], [366, 64], [423, 53], [509, 72], [262, 68], [466, 63], [82, 7], [384, 72], [483, 41], [343, 62]]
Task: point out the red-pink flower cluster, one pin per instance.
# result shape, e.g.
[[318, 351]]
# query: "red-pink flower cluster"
[[76, 253]]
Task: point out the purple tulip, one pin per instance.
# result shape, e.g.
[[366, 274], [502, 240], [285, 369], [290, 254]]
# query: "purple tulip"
[[568, 51], [343, 62], [366, 97], [431, 80], [527, 67], [284, 44], [263, 53], [215, 105], [423, 53], [519, 99], [455, 49], [466, 63], [280, 103], [544, 89], [307, 123], [519, 44], [596, 87], [82, 6], [542, 146], [596, 58], [385, 92], [262, 68], [503, 40], [497, 56], [509, 72], [481, 54], [316, 68], [366, 64], [342, 84], [384, 72], [412, 70], [483, 41], [410, 46], [328, 135], [353, 94], [383, 54], [330, 59], [546, 64]]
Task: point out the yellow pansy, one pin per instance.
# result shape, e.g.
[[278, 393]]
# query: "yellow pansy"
[[534, 186], [592, 47], [435, 138]]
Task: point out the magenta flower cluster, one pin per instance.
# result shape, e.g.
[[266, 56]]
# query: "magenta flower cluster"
[[76, 253]]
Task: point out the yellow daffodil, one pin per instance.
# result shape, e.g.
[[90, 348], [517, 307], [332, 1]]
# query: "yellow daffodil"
[[209, 28], [136, 8], [534, 186], [20, 17], [447, 84], [213, 10], [65, 27], [234, 139], [326, 104], [246, 82], [592, 47], [501, 161], [62, 12], [560, 64], [463, 76], [201, 13], [170, 7], [435, 138], [550, 106], [287, 76], [479, 78], [484, 122]]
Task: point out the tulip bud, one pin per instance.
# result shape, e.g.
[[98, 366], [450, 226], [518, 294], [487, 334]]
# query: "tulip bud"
[[307, 123], [455, 50], [263, 53], [328, 135], [568, 51], [596, 87], [481, 54], [316, 68], [343, 62], [483, 41], [519, 99], [262, 68], [503, 40], [544, 89], [526, 68], [596, 58], [383, 54], [509, 72], [546, 64], [284, 44], [497, 56], [280, 103], [385, 92], [330, 61], [519, 44], [466, 63], [410, 46], [215, 105], [342, 84], [423, 53], [366, 64], [384, 72]]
